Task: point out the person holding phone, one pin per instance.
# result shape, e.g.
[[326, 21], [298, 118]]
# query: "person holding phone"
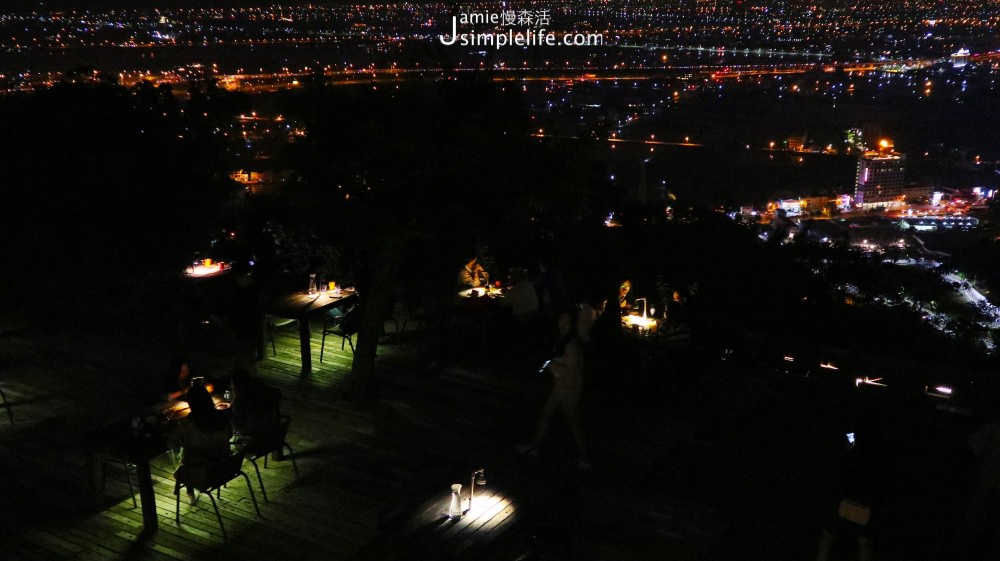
[[566, 368]]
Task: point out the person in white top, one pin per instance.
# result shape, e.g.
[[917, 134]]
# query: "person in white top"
[[521, 298]]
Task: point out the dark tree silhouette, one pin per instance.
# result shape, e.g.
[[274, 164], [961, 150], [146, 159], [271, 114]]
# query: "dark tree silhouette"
[[98, 175], [426, 171]]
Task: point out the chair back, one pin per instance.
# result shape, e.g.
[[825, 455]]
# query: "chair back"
[[268, 438], [333, 316], [351, 323], [220, 472], [270, 401], [278, 321]]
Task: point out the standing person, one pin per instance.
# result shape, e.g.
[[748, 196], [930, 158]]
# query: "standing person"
[[567, 386], [203, 437]]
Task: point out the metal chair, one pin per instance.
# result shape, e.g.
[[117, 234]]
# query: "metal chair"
[[265, 440], [218, 473], [345, 328], [10, 413], [420, 310], [129, 468], [274, 322], [390, 315], [418, 317]]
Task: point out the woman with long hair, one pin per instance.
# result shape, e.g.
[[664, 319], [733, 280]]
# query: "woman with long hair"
[[203, 437]]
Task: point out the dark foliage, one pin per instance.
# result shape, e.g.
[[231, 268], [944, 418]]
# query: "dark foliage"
[[449, 167], [106, 186]]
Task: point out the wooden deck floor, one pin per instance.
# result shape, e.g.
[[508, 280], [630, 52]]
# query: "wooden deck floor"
[[678, 465]]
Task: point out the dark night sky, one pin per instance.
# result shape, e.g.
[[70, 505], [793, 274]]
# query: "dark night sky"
[[80, 4], [69, 4]]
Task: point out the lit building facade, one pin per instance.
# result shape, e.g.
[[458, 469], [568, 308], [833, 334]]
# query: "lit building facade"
[[960, 58], [879, 181]]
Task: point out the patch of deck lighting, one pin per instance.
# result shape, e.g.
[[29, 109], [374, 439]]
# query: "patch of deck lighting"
[[869, 382], [939, 391]]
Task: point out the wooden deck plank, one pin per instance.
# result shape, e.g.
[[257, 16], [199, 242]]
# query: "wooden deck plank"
[[358, 462]]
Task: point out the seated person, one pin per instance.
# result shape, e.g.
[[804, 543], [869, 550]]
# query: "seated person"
[[473, 275], [175, 381], [202, 436], [521, 298], [255, 405], [676, 316], [625, 301]]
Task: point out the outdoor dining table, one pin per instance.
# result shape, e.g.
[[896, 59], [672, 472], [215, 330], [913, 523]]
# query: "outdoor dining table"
[[135, 440], [640, 326], [299, 306], [481, 292]]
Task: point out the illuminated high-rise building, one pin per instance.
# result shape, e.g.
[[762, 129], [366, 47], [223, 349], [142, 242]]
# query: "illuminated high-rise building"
[[879, 181]]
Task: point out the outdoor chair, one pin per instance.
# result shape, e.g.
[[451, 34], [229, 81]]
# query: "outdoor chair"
[[390, 315], [128, 467], [10, 413], [265, 440], [273, 323], [419, 310], [417, 316], [345, 328], [220, 473]]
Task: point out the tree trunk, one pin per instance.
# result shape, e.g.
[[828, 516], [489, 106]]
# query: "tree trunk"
[[375, 307]]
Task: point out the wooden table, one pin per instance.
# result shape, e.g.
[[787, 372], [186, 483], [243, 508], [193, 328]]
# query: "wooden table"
[[640, 326], [481, 292], [299, 306], [201, 270], [133, 442]]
